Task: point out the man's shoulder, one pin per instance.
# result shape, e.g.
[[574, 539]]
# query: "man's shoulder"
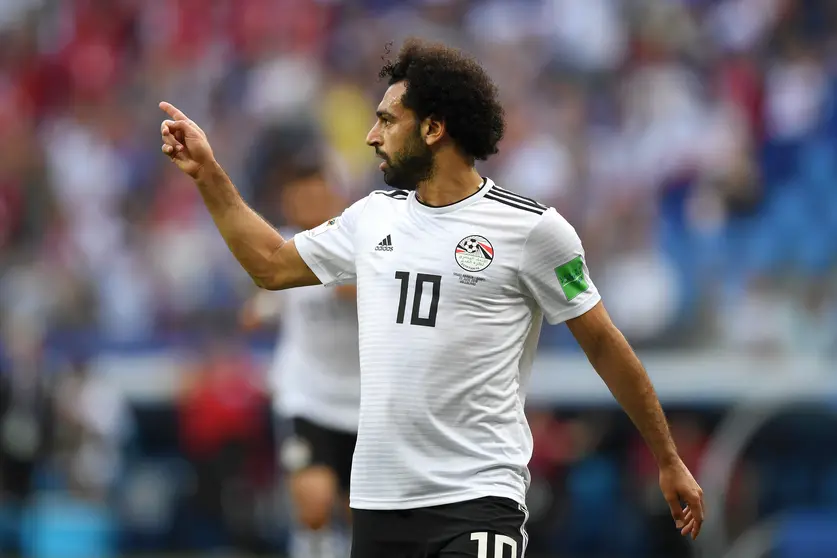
[[376, 201], [510, 210], [514, 203], [381, 200], [384, 195]]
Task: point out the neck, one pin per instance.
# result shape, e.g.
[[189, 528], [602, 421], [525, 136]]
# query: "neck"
[[448, 186]]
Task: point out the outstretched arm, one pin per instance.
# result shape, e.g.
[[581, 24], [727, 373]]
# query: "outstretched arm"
[[620, 369], [273, 262]]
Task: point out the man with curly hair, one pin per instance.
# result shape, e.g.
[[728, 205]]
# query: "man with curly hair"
[[454, 277]]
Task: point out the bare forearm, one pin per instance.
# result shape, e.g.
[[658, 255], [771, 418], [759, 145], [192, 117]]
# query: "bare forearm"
[[622, 371], [251, 239]]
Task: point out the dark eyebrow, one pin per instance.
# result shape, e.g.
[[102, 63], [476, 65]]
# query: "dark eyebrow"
[[382, 114]]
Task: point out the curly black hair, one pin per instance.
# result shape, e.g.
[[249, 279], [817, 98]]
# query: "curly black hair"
[[448, 85]]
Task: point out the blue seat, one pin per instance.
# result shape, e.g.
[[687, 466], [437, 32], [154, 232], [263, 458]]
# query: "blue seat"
[[828, 490], [773, 237], [593, 493], [816, 162], [788, 206], [593, 484], [795, 487], [764, 246], [816, 254], [9, 527], [779, 160], [807, 534], [59, 526], [828, 124]]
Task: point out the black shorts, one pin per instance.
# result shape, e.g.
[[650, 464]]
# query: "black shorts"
[[310, 444], [490, 527]]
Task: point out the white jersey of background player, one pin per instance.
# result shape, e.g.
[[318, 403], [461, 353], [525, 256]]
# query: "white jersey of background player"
[[315, 375], [318, 375], [315, 372]]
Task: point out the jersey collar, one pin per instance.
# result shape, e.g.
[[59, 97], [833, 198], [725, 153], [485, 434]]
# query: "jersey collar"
[[487, 184]]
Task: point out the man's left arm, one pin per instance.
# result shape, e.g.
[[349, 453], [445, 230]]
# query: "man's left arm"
[[554, 272], [620, 369]]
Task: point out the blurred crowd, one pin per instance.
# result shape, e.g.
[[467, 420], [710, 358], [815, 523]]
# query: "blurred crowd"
[[691, 142]]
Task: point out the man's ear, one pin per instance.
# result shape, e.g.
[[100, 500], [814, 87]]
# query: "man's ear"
[[433, 130]]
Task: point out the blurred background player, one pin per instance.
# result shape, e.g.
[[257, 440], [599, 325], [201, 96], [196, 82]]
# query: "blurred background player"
[[315, 376]]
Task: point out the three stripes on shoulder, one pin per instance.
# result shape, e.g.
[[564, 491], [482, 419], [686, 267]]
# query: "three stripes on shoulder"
[[495, 194], [514, 200], [394, 194]]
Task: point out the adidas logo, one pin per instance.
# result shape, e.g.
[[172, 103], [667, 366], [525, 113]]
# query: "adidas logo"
[[385, 245]]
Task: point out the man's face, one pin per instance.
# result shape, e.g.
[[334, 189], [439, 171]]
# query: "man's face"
[[397, 139]]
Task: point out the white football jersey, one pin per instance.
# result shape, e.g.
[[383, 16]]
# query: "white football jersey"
[[316, 368], [450, 305]]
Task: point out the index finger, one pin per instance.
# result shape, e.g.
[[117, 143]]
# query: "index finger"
[[173, 111]]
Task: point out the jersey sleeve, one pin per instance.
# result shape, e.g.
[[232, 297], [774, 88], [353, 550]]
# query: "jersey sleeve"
[[329, 249], [554, 272]]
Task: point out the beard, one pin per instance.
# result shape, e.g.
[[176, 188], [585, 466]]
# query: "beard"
[[410, 165]]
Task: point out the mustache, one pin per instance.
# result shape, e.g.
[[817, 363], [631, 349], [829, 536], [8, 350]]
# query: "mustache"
[[382, 155]]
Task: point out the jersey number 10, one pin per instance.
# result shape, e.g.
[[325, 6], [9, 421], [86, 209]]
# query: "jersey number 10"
[[421, 280], [501, 542]]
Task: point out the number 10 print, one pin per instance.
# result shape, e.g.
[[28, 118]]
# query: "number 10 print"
[[421, 280]]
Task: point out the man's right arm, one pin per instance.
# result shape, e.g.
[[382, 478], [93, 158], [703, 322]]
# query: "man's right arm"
[[272, 261]]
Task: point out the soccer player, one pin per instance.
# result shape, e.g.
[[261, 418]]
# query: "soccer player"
[[454, 276], [316, 376]]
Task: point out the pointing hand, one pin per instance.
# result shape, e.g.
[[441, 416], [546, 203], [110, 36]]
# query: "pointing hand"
[[184, 142]]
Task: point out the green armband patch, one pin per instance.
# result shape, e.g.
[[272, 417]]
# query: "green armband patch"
[[571, 277]]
